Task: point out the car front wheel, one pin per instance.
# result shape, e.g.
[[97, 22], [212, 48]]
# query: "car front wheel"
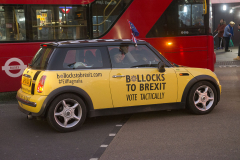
[[202, 98], [66, 113]]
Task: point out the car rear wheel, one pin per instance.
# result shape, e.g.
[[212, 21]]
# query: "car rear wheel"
[[66, 113], [202, 98]]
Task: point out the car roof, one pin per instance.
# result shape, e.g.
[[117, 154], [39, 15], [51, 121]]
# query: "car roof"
[[92, 42]]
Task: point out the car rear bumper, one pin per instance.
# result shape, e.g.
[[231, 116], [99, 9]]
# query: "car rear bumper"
[[30, 103], [26, 102]]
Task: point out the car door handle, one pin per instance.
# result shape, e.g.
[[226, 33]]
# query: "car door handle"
[[117, 76]]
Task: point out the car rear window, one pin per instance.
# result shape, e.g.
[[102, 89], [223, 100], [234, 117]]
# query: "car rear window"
[[40, 60], [83, 58]]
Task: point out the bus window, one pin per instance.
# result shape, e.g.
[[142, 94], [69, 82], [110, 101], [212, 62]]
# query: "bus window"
[[105, 13], [74, 22], [45, 32], [184, 12], [197, 18], [59, 22], [181, 18], [210, 19], [12, 23]]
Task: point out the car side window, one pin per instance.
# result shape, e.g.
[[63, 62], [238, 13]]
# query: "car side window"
[[83, 58], [130, 56]]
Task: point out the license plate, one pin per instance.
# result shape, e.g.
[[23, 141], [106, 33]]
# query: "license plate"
[[26, 81]]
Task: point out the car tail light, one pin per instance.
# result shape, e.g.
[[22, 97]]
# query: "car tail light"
[[41, 84]]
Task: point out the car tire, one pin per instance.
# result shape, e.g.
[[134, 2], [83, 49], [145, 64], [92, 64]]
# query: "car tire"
[[67, 113], [202, 98]]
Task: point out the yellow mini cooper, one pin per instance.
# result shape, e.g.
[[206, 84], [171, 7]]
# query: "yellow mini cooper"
[[70, 80]]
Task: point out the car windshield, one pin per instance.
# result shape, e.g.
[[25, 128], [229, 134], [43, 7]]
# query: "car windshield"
[[40, 60]]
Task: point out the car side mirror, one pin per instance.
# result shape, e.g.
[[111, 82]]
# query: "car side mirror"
[[161, 67]]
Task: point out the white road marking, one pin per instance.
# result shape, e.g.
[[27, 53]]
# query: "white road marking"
[[104, 145], [226, 66]]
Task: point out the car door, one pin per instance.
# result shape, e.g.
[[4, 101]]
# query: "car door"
[[135, 79]]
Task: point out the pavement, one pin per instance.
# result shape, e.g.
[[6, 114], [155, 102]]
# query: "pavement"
[[8, 97], [221, 55]]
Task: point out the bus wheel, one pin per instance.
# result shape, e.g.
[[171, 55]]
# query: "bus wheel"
[[202, 98], [67, 113]]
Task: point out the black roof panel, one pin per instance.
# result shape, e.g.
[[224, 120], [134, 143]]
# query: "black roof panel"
[[92, 42]]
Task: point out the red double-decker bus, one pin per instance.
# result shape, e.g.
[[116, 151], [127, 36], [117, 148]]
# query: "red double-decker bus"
[[179, 29]]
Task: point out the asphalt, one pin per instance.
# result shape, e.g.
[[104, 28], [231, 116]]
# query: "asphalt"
[[180, 135], [35, 139], [153, 135]]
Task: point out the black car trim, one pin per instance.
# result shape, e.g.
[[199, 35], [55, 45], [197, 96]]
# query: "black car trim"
[[33, 88], [36, 75], [29, 103], [34, 81], [63, 90], [197, 79], [136, 109]]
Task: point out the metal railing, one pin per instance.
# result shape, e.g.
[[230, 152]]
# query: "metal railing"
[[105, 19]]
